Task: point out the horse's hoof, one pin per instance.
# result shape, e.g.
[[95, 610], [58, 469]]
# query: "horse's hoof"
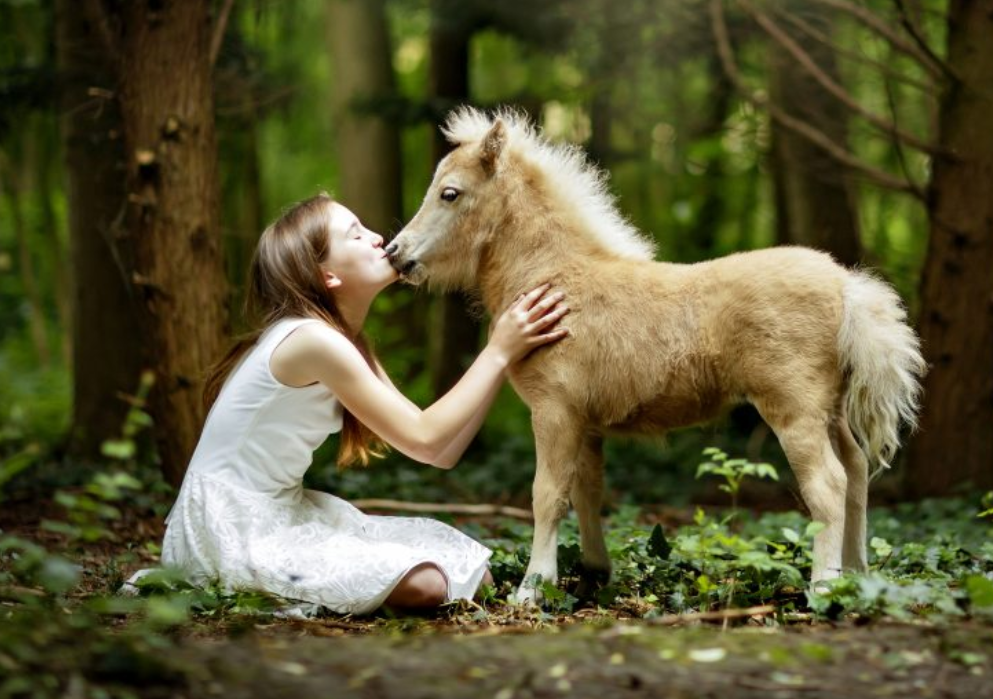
[[821, 584], [524, 597], [591, 581]]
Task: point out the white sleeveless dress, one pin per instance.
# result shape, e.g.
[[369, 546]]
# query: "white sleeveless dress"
[[242, 517]]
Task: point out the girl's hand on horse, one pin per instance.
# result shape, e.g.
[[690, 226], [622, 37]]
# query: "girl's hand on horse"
[[531, 321]]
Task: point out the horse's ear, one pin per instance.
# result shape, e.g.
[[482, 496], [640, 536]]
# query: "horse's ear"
[[493, 143]]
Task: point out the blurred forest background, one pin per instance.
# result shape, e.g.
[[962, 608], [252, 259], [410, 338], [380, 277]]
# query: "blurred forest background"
[[145, 145]]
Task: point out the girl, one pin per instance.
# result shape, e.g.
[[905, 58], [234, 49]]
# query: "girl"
[[242, 516]]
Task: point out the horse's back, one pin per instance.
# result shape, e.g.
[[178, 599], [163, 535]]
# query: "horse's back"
[[773, 316]]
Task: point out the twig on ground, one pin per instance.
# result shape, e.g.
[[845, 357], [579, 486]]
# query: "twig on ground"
[[448, 508], [16, 593], [719, 615]]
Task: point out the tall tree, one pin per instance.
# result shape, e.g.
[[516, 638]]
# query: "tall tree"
[[456, 339], [52, 226], [955, 444], [368, 143], [105, 356], [815, 201], [240, 90], [163, 53], [15, 193]]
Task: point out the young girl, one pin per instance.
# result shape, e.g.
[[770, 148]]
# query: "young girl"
[[242, 516]]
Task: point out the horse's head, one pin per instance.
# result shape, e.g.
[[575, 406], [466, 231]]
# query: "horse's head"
[[464, 205]]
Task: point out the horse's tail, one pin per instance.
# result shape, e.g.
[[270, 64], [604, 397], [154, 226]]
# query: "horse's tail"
[[881, 356]]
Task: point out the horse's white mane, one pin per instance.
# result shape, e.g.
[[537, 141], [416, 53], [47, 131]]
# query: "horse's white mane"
[[578, 183]]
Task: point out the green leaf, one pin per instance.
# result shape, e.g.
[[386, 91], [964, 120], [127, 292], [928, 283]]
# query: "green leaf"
[[57, 575], [167, 611], [658, 546], [791, 535], [980, 590], [881, 546], [17, 463], [140, 417], [64, 528], [122, 449]]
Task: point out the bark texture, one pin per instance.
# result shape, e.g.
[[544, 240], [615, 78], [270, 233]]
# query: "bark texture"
[[172, 228], [954, 448], [815, 201], [368, 143], [105, 353], [456, 336]]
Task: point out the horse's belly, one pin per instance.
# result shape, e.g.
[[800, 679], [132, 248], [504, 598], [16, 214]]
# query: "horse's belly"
[[666, 412]]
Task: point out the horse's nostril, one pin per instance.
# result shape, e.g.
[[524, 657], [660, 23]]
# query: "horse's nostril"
[[391, 249]]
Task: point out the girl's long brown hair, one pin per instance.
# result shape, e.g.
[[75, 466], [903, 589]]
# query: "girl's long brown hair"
[[286, 281]]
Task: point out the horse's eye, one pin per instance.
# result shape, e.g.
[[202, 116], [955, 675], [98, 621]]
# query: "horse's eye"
[[449, 194]]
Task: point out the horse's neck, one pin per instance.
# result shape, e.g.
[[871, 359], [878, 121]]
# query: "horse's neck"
[[527, 252]]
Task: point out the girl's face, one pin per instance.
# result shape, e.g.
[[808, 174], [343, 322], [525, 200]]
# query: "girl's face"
[[356, 259]]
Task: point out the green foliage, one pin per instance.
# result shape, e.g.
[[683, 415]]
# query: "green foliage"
[[17, 462], [988, 504], [942, 567], [733, 471], [89, 511]]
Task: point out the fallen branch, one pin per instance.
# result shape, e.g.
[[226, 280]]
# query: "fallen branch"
[[447, 508], [719, 615], [17, 593]]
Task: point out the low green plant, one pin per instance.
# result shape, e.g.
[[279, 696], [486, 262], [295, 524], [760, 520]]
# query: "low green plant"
[[931, 559], [988, 504], [733, 471]]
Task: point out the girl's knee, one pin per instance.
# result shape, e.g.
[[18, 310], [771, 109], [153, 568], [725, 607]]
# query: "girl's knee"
[[424, 586]]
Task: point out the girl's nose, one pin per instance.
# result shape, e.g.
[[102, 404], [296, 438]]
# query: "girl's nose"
[[377, 240]]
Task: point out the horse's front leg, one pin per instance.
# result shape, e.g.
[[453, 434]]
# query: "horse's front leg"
[[587, 499], [558, 439]]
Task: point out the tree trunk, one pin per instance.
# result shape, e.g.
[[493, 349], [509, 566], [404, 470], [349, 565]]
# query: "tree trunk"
[[177, 273], [457, 332], [52, 229], [368, 146], [713, 197], [815, 202], [105, 352], [26, 266], [368, 143], [954, 449], [242, 202]]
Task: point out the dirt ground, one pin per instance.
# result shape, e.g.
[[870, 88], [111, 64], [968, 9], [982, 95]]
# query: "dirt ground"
[[511, 655], [624, 659]]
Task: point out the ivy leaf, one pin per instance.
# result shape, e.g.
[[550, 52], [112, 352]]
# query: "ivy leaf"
[[980, 590], [121, 449], [657, 544]]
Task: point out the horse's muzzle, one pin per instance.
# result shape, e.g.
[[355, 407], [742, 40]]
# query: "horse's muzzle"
[[403, 267]]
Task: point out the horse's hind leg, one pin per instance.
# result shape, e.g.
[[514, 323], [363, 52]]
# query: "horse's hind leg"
[[587, 498], [558, 441], [856, 495], [822, 480]]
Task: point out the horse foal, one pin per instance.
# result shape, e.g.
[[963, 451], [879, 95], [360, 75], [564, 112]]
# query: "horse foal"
[[825, 354]]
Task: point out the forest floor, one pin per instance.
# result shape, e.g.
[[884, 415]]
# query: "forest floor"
[[468, 650]]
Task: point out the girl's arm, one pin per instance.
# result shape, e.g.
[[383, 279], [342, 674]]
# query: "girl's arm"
[[440, 433], [451, 454]]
